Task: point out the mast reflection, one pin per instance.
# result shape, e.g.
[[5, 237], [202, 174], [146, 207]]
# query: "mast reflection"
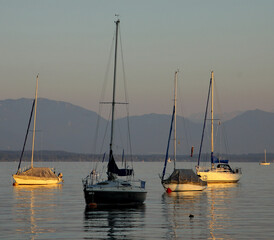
[[114, 222], [177, 209], [219, 207], [33, 207]]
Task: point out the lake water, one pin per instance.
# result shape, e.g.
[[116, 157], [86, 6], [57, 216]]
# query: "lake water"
[[223, 211]]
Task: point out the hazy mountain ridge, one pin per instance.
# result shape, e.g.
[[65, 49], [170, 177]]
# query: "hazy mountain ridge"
[[66, 127]]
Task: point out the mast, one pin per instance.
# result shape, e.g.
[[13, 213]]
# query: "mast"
[[34, 122], [175, 112], [212, 127], [265, 155], [114, 87]]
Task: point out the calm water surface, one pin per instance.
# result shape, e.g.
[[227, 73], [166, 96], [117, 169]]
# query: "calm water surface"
[[223, 211]]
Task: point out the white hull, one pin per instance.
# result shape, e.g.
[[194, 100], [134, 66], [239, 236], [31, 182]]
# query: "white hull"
[[213, 176], [27, 180], [174, 187], [264, 163]]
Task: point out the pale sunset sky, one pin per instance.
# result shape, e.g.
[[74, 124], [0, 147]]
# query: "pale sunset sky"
[[68, 43]]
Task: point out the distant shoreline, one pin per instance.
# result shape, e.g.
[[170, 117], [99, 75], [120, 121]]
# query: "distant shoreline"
[[62, 156]]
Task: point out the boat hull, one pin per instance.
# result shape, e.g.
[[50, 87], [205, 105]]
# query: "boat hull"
[[264, 163], [175, 187], [114, 197], [219, 177], [27, 180]]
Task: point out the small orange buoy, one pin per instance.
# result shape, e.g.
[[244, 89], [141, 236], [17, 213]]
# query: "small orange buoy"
[[15, 184], [92, 205], [169, 190]]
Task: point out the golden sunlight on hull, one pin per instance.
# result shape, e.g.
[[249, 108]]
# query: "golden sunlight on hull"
[[264, 163], [219, 177], [26, 180], [184, 187]]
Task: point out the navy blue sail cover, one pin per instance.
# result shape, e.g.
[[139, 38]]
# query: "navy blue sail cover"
[[217, 160], [113, 168]]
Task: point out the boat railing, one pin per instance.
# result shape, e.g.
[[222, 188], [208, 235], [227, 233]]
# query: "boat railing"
[[91, 180], [132, 183], [20, 170], [237, 170], [202, 169], [206, 169]]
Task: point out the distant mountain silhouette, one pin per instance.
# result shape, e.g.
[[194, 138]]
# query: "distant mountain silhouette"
[[66, 127], [199, 117], [251, 132], [60, 125]]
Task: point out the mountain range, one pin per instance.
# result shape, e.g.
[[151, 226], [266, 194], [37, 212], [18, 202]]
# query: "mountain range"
[[62, 126]]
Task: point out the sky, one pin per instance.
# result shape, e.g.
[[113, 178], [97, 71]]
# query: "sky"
[[68, 43]]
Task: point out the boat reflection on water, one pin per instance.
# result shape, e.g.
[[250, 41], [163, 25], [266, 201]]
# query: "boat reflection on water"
[[201, 215], [220, 208], [114, 222], [33, 206], [184, 199], [183, 211]]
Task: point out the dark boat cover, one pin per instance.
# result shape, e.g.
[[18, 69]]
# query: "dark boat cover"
[[184, 176], [113, 168], [38, 172]]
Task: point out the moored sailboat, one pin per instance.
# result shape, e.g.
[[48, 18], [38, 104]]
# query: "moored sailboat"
[[120, 188], [180, 179], [264, 163], [35, 175], [220, 171]]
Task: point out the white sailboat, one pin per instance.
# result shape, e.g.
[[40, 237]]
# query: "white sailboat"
[[220, 171], [120, 188], [35, 175], [265, 163], [181, 179]]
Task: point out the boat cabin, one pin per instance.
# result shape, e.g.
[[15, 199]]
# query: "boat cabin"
[[224, 167]]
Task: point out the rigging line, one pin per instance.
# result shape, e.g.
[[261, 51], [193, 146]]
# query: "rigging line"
[[221, 114], [103, 140], [120, 133], [185, 122], [126, 97], [106, 76], [218, 136], [103, 91], [225, 140]]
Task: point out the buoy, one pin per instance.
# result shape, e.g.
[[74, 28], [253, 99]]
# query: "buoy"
[[92, 205], [169, 190], [15, 184], [191, 216]]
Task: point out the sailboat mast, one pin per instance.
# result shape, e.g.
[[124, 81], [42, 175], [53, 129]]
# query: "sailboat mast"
[[34, 122], [265, 155], [212, 115], [114, 85], [175, 112]]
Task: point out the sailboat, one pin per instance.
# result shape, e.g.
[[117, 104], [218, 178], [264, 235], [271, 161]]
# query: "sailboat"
[[265, 163], [181, 179], [120, 188], [220, 171], [34, 175]]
